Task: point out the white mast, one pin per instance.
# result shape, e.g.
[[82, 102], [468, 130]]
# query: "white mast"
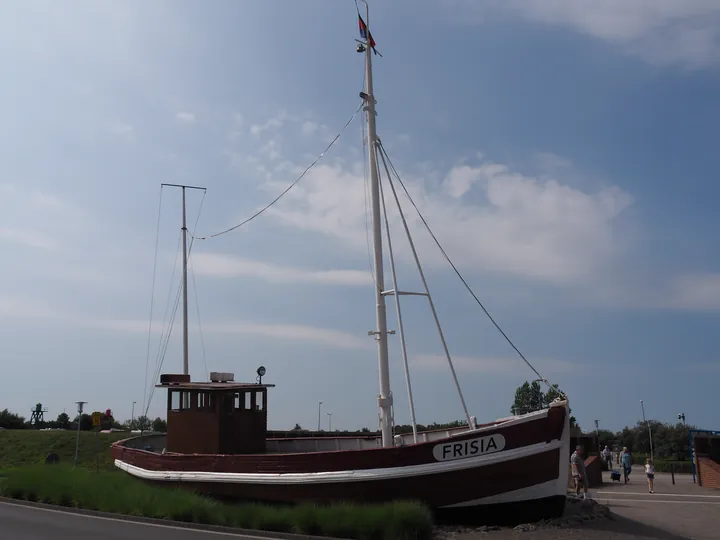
[[186, 365], [186, 370], [381, 333]]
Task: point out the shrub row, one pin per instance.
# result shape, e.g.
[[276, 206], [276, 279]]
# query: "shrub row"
[[119, 493]]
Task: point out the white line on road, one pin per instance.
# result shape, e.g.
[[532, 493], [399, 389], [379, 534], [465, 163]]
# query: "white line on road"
[[659, 494], [605, 499], [130, 521]]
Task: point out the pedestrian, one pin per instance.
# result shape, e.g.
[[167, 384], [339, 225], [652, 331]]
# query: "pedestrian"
[[650, 472], [608, 457], [578, 471], [626, 460]]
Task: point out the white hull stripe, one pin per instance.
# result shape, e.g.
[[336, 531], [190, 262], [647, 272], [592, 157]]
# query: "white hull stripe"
[[359, 475]]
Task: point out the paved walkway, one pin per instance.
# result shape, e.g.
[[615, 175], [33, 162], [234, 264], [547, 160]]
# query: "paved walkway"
[[683, 510]]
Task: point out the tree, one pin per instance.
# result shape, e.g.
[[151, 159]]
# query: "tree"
[[297, 427], [142, 423], [63, 420], [85, 422], [159, 425], [10, 420], [530, 397]]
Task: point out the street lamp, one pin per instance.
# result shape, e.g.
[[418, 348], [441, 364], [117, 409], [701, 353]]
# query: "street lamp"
[[642, 405], [319, 405], [329, 421], [77, 441]]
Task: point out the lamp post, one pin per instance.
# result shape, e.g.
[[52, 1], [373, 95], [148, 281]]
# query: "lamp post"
[[132, 416], [642, 405], [77, 441], [319, 405], [329, 421]]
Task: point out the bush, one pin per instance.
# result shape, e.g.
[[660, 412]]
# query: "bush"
[[119, 493]]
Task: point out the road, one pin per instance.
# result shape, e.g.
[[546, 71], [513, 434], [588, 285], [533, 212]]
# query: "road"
[[29, 523]]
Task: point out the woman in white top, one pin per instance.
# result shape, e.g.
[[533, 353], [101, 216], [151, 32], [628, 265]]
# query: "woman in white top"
[[650, 472]]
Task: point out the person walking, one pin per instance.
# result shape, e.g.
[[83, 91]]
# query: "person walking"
[[626, 460], [650, 472], [608, 457], [578, 471]]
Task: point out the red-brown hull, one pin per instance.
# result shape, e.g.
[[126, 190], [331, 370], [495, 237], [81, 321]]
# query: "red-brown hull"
[[531, 464]]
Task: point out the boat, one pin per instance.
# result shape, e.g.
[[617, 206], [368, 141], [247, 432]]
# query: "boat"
[[217, 442]]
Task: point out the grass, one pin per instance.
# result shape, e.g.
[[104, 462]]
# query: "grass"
[[119, 493], [20, 447]]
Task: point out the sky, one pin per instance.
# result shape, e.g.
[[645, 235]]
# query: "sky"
[[564, 154]]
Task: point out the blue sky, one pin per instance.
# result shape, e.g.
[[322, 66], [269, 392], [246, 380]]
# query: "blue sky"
[[563, 152]]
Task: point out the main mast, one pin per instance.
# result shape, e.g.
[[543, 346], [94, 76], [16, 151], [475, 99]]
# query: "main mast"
[[381, 332], [186, 364]]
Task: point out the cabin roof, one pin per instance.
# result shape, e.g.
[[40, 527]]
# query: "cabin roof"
[[230, 386]]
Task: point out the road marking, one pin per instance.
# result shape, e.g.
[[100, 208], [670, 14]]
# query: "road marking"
[[605, 499], [659, 494], [241, 536]]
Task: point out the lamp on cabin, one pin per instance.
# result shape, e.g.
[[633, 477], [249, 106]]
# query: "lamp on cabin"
[[261, 372]]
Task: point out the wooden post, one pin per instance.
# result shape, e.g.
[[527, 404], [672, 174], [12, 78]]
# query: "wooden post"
[[672, 472]]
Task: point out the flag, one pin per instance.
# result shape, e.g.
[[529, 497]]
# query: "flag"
[[367, 36]]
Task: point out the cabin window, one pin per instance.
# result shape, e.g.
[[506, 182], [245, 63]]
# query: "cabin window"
[[248, 401], [259, 401], [185, 400], [202, 401], [237, 403], [174, 401]]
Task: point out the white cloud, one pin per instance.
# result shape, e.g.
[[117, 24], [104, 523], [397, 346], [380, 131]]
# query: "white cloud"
[[490, 365], [270, 149], [290, 332], [295, 332], [185, 117], [275, 122], [551, 162], [692, 292], [227, 266], [27, 238], [309, 127], [685, 32], [14, 308], [487, 217]]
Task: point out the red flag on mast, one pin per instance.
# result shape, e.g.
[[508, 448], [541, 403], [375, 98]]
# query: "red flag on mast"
[[367, 36]]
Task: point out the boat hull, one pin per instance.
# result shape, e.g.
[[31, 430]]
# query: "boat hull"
[[504, 466]]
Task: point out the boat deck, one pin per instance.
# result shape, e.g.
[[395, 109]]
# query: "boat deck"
[[156, 442]]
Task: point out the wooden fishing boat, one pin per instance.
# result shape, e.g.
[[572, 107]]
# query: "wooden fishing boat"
[[217, 439]]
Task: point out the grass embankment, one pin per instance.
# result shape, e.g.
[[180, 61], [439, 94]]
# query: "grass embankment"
[[116, 492], [20, 447]]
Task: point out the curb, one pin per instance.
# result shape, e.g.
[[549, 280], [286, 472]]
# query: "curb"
[[168, 522]]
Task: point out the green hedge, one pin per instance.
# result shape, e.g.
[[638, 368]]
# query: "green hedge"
[[119, 493]]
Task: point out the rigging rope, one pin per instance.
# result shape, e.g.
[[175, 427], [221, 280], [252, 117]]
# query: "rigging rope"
[[152, 297], [197, 308], [266, 207], [447, 258], [162, 349]]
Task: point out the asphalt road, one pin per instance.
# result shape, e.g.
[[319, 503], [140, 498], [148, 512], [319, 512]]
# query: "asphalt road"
[[28, 523]]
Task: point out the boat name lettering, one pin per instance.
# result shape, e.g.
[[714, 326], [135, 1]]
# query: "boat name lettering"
[[469, 448]]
